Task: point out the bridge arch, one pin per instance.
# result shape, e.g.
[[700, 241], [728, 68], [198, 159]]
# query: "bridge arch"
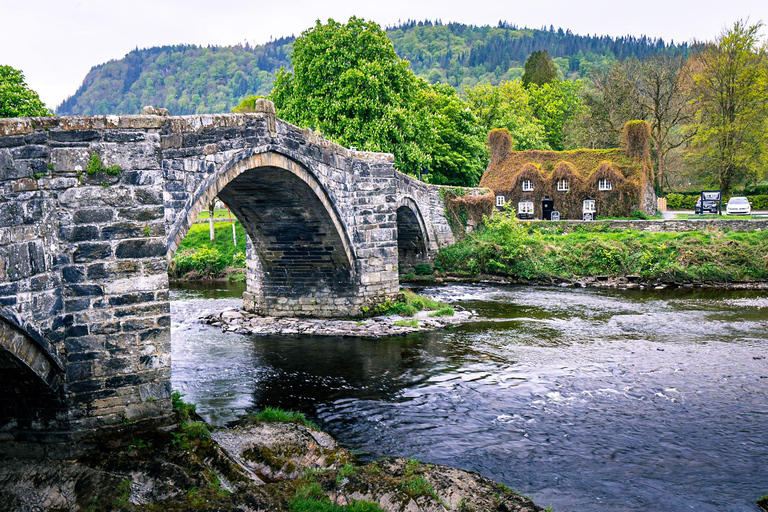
[[299, 251], [412, 233]]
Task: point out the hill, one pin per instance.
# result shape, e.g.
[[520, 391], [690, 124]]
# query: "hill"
[[189, 79]]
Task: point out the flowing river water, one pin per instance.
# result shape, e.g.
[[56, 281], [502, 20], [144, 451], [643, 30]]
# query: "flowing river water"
[[581, 399]]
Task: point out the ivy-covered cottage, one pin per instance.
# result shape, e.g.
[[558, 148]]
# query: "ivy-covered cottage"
[[614, 182]]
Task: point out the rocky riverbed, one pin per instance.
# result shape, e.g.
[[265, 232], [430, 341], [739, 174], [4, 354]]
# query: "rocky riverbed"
[[243, 322], [254, 466]]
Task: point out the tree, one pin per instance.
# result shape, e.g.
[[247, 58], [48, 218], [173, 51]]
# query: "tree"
[[16, 98], [732, 105], [539, 69], [554, 104], [665, 93], [508, 106], [458, 150], [611, 99], [349, 84]]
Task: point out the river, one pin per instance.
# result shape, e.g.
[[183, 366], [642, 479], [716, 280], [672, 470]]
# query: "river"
[[582, 399]]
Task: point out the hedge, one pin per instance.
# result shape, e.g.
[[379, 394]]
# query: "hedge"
[[688, 202]]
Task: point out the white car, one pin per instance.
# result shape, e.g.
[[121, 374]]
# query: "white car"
[[738, 206]]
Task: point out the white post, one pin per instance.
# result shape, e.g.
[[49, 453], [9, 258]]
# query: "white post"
[[210, 218]]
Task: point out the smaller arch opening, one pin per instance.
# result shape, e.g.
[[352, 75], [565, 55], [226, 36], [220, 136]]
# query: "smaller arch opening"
[[411, 243], [28, 403]]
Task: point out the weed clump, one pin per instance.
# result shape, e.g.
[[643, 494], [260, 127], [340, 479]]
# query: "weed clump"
[[95, 166], [276, 415]]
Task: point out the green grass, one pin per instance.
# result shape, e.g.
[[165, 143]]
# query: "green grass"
[[310, 497], [411, 304], [444, 311], [217, 214], [411, 322], [198, 253], [276, 415], [507, 247]]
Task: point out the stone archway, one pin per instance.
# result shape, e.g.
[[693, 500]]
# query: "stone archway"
[[412, 235], [301, 261]]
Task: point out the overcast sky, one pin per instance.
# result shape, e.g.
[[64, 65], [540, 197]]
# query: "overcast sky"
[[56, 42]]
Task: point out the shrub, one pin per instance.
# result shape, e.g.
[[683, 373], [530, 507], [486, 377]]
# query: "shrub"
[[681, 202], [445, 311], [206, 261], [423, 269], [184, 410], [238, 259], [196, 430], [639, 215]]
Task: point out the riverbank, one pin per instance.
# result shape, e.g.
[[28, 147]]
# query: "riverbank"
[[596, 254], [274, 461]]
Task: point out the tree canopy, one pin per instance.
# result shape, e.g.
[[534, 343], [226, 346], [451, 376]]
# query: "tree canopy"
[[16, 98], [730, 83], [539, 69], [349, 84]]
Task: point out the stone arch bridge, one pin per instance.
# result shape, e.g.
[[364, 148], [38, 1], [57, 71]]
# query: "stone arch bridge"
[[84, 312]]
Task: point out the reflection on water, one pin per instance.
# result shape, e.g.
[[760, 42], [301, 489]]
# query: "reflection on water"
[[583, 399]]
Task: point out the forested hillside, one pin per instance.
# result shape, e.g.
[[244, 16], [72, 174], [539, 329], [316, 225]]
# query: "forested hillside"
[[193, 79]]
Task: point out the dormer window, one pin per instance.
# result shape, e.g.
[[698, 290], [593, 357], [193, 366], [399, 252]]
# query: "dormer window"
[[527, 186], [604, 184], [562, 185], [500, 201]]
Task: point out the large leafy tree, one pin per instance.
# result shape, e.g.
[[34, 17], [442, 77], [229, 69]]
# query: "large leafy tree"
[[349, 84], [458, 149], [664, 87], [16, 98], [732, 105]]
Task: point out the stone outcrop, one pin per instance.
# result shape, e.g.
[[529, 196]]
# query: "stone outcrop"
[[92, 208], [252, 467]]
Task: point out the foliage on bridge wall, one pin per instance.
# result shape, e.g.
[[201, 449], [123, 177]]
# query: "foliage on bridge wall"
[[465, 211]]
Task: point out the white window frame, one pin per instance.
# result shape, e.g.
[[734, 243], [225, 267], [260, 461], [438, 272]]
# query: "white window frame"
[[525, 207], [527, 185], [589, 206], [563, 185], [604, 184], [500, 200]]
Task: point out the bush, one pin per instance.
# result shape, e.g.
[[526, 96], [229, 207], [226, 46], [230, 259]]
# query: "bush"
[[423, 269], [196, 430], [681, 202], [238, 259], [639, 215], [184, 410], [206, 261]]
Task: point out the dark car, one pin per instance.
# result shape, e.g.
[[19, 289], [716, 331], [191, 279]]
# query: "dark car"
[[709, 202]]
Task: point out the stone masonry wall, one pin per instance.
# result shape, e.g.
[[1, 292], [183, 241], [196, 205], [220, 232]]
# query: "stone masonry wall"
[[83, 260]]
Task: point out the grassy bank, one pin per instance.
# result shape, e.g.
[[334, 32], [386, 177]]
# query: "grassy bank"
[[508, 247], [199, 257]]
